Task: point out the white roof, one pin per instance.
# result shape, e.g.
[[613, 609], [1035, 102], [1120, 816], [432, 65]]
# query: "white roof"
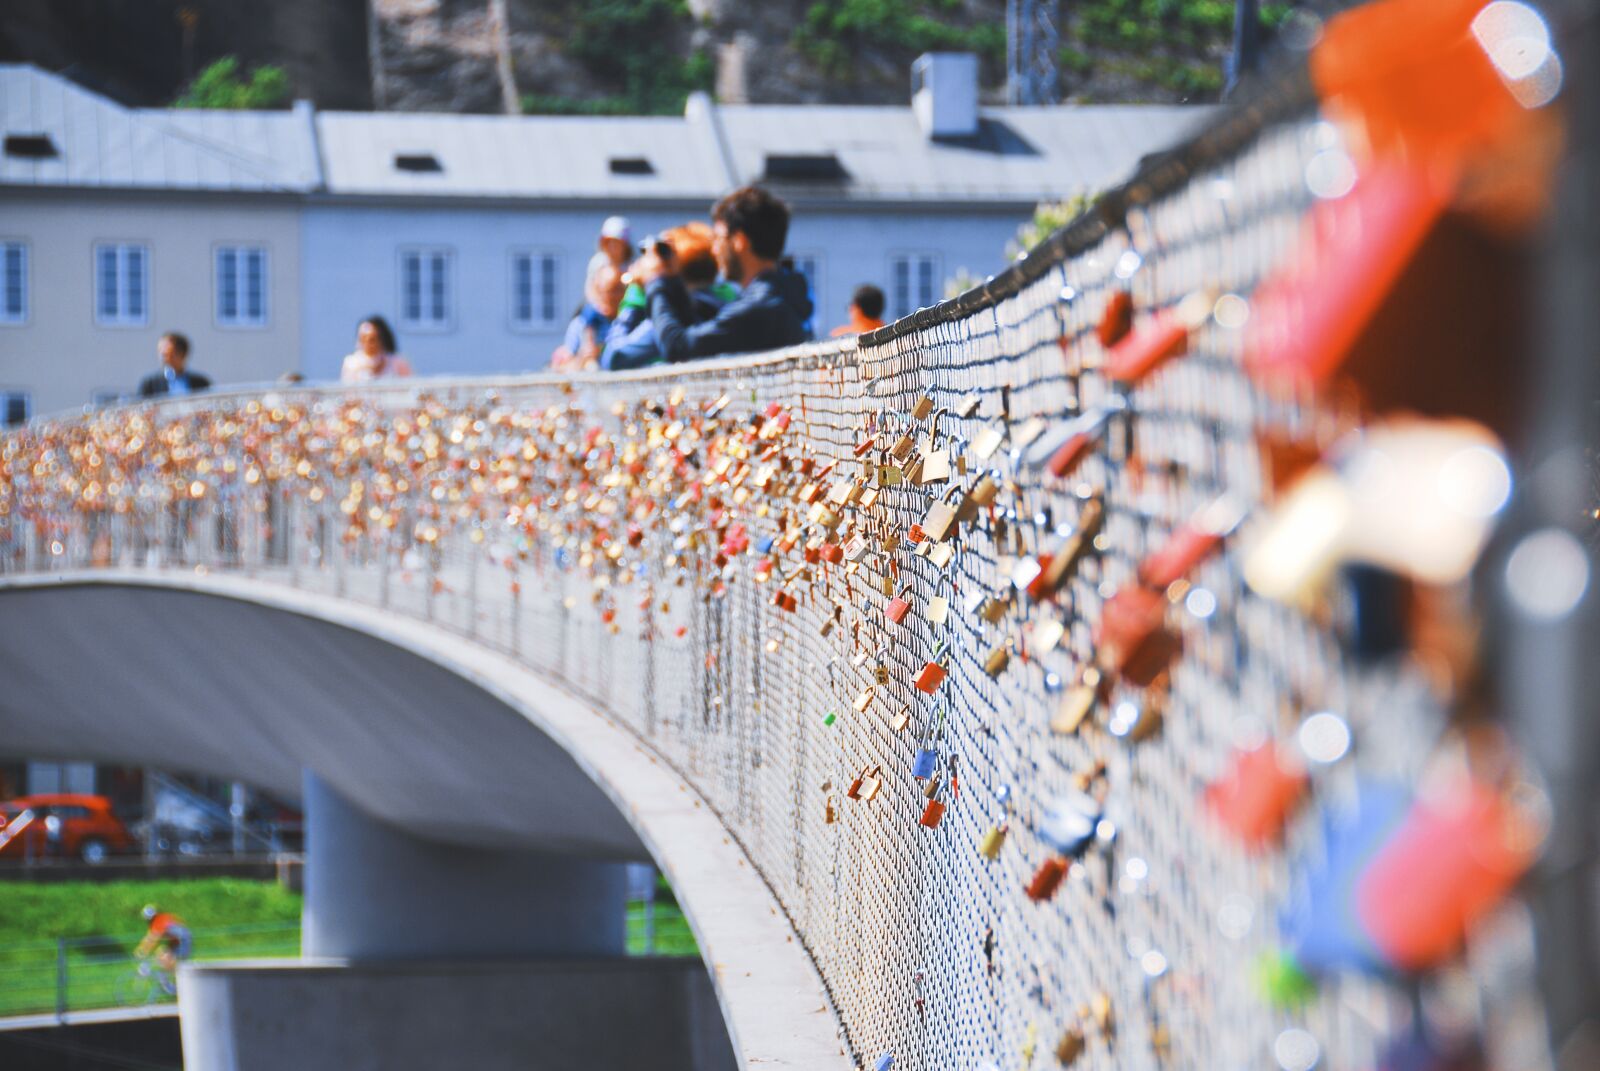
[[99, 143], [1020, 156], [565, 157], [1020, 153]]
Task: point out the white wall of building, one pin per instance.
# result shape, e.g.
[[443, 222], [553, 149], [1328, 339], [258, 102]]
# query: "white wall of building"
[[62, 356]]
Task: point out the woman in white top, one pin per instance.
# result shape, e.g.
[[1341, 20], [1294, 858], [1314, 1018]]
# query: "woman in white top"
[[375, 356]]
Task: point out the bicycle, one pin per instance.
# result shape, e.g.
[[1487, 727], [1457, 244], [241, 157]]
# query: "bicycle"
[[146, 983]]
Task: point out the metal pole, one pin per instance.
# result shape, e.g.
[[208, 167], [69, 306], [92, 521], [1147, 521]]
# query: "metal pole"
[[61, 980], [1245, 59]]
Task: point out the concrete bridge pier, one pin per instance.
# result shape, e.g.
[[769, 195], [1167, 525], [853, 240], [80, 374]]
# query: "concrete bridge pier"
[[423, 954]]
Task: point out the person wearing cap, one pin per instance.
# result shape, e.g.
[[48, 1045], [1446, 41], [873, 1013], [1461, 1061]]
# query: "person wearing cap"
[[602, 291], [613, 249]]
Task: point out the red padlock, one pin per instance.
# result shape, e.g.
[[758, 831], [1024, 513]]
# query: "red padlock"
[[1117, 319], [1143, 351], [898, 607], [1190, 544], [832, 553], [1452, 859], [932, 675], [1070, 454], [915, 534], [1131, 639], [932, 814], [864, 445], [1047, 879], [785, 601], [1255, 798]]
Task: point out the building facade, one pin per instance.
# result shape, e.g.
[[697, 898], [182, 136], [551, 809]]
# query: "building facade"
[[266, 237]]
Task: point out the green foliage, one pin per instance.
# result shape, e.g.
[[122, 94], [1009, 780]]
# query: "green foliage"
[[221, 86], [834, 32], [628, 47], [1048, 217]]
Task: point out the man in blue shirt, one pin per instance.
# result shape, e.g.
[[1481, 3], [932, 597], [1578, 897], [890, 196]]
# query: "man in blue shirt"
[[749, 228], [172, 379]]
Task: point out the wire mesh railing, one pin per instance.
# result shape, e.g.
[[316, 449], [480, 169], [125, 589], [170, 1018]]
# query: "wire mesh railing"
[[957, 628]]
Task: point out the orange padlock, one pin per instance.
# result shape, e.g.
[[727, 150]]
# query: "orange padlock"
[[1047, 879]]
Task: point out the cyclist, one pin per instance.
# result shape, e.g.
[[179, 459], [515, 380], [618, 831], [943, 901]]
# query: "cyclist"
[[167, 937]]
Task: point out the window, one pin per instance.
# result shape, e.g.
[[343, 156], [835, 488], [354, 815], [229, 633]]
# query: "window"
[[535, 289], [121, 284], [631, 165], [241, 285], [423, 163], [16, 406], [13, 283], [425, 289], [31, 147], [913, 283]]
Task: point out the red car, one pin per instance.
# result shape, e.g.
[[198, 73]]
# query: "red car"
[[87, 828]]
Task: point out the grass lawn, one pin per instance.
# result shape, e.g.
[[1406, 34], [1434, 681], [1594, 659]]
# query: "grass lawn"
[[230, 919]]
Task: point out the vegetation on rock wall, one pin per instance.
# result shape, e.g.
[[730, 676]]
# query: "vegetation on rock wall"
[[222, 86]]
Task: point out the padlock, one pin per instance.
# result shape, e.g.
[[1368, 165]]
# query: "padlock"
[[1069, 822], [933, 462], [1142, 351], [930, 678], [902, 719], [1071, 1045], [1116, 319], [783, 600], [925, 762], [997, 661], [989, 847], [829, 718], [1059, 563], [863, 701], [899, 606], [1076, 703], [891, 475], [866, 784], [987, 441], [832, 553], [1131, 639], [1256, 796], [830, 814], [932, 814], [885, 1062], [1047, 879], [1190, 544], [993, 609], [940, 521], [857, 548], [923, 407]]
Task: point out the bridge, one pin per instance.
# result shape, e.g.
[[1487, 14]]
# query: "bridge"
[[1017, 685]]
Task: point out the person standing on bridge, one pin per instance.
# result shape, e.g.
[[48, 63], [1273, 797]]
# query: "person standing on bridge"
[[866, 312], [375, 356], [173, 349], [749, 228]]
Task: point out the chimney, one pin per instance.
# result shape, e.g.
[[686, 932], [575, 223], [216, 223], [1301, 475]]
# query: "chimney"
[[944, 94]]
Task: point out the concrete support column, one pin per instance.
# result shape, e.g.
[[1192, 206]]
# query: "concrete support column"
[[374, 892]]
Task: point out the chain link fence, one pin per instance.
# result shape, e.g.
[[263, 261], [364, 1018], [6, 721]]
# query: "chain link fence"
[[587, 528]]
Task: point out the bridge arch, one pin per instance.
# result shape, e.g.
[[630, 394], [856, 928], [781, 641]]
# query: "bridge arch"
[[433, 729]]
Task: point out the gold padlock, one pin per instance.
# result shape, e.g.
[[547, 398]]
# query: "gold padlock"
[[923, 407], [998, 660], [1071, 1045], [989, 847]]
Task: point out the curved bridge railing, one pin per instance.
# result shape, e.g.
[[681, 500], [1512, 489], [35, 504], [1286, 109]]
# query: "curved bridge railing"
[[1003, 641]]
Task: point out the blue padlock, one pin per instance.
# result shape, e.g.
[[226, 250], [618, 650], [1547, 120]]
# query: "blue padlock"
[[765, 546], [885, 1062], [926, 762], [1069, 822]]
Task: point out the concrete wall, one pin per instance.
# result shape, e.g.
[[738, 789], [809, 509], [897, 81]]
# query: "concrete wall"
[[352, 269], [550, 1016], [61, 355]]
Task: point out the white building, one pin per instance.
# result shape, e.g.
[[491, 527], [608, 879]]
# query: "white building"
[[118, 224], [266, 237]]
